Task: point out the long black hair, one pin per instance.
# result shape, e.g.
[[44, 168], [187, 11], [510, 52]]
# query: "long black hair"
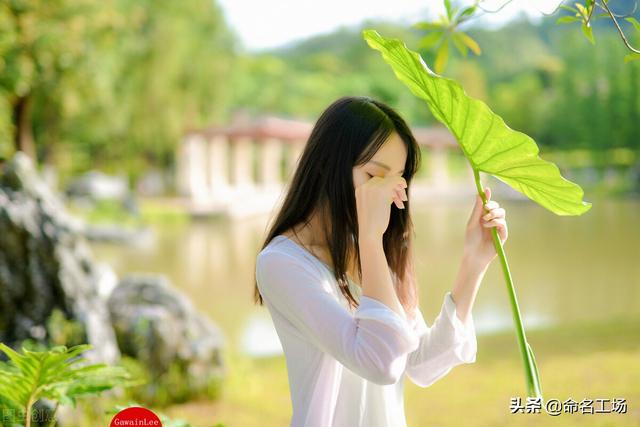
[[348, 134]]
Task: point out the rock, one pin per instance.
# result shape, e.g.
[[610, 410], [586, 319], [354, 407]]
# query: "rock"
[[152, 183], [95, 188], [52, 291], [159, 326], [45, 264], [97, 185], [114, 233]]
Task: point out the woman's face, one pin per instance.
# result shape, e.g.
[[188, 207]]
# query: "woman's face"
[[389, 160]]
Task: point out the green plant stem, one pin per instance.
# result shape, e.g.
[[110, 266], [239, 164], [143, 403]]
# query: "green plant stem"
[[28, 411], [531, 370]]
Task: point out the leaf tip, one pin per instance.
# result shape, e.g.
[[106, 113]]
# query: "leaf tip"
[[586, 206], [369, 33]]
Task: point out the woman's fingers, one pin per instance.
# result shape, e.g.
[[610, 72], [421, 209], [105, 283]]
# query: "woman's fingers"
[[494, 213], [402, 193], [501, 227], [399, 196], [491, 204], [494, 217], [397, 200]]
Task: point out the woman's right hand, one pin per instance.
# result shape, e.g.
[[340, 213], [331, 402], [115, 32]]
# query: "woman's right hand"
[[373, 202]]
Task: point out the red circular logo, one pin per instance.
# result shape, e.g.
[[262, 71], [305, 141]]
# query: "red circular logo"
[[136, 416]]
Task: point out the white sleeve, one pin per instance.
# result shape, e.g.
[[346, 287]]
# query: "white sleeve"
[[446, 344], [373, 342]]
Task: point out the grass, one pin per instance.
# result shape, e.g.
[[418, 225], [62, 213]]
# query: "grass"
[[152, 210], [575, 361], [163, 210]]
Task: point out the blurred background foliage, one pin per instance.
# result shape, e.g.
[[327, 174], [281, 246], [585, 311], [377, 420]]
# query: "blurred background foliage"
[[114, 84], [86, 83]]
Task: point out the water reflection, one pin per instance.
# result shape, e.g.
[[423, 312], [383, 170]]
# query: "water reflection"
[[565, 269], [496, 319]]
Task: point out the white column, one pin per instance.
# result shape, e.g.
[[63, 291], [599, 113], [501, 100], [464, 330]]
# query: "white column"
[[242, 163], [270, 157], [182, 168], [195, 151], [219, 166], [295, 151]]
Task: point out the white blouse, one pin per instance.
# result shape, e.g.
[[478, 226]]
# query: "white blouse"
[[346, 366]]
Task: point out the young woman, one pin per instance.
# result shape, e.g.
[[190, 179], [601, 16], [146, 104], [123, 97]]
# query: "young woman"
[[336, 273]]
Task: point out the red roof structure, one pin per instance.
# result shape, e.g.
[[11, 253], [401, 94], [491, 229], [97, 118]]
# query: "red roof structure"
[[291, 130]]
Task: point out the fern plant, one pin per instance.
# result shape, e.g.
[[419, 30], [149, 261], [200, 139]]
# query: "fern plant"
[[57, 374], [492, 147]]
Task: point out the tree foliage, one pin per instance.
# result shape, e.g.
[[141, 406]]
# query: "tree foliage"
[[447, 28], [114, 81]]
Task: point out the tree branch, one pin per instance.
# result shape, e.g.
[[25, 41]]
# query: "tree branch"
[[605, 7], [635, 7], [493, 11], [554, 10]]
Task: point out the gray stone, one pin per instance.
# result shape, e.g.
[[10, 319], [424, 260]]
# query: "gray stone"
[[97, 185], [158, 325], [47, 268], [45, 264]]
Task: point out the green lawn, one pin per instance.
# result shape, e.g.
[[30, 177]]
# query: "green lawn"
[[576, 361]]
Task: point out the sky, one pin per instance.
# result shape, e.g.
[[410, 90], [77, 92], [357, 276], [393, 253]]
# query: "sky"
[[264, 24]]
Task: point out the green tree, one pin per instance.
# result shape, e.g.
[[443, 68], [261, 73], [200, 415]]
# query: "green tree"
[[117, 82]]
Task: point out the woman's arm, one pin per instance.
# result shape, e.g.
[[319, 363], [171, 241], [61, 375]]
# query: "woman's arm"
[[447, 343], [465, 288], [376, 276], [373, 342], [373, 199], [479, 250], [451, 340]]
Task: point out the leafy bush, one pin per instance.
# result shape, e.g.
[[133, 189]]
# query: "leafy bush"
[[56, 374], [169, 387]]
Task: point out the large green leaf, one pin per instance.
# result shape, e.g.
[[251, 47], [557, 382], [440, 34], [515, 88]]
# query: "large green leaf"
[[488, 143]]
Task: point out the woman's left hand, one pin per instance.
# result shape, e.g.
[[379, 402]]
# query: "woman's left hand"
[[478, 244]]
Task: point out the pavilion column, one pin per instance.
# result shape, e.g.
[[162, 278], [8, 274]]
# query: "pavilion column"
[[219, 165], [270, 156], [196, 167], [182, 167], [295, 151], [242, 164]]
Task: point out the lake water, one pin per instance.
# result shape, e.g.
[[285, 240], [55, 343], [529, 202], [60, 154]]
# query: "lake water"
[[565, 269]]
